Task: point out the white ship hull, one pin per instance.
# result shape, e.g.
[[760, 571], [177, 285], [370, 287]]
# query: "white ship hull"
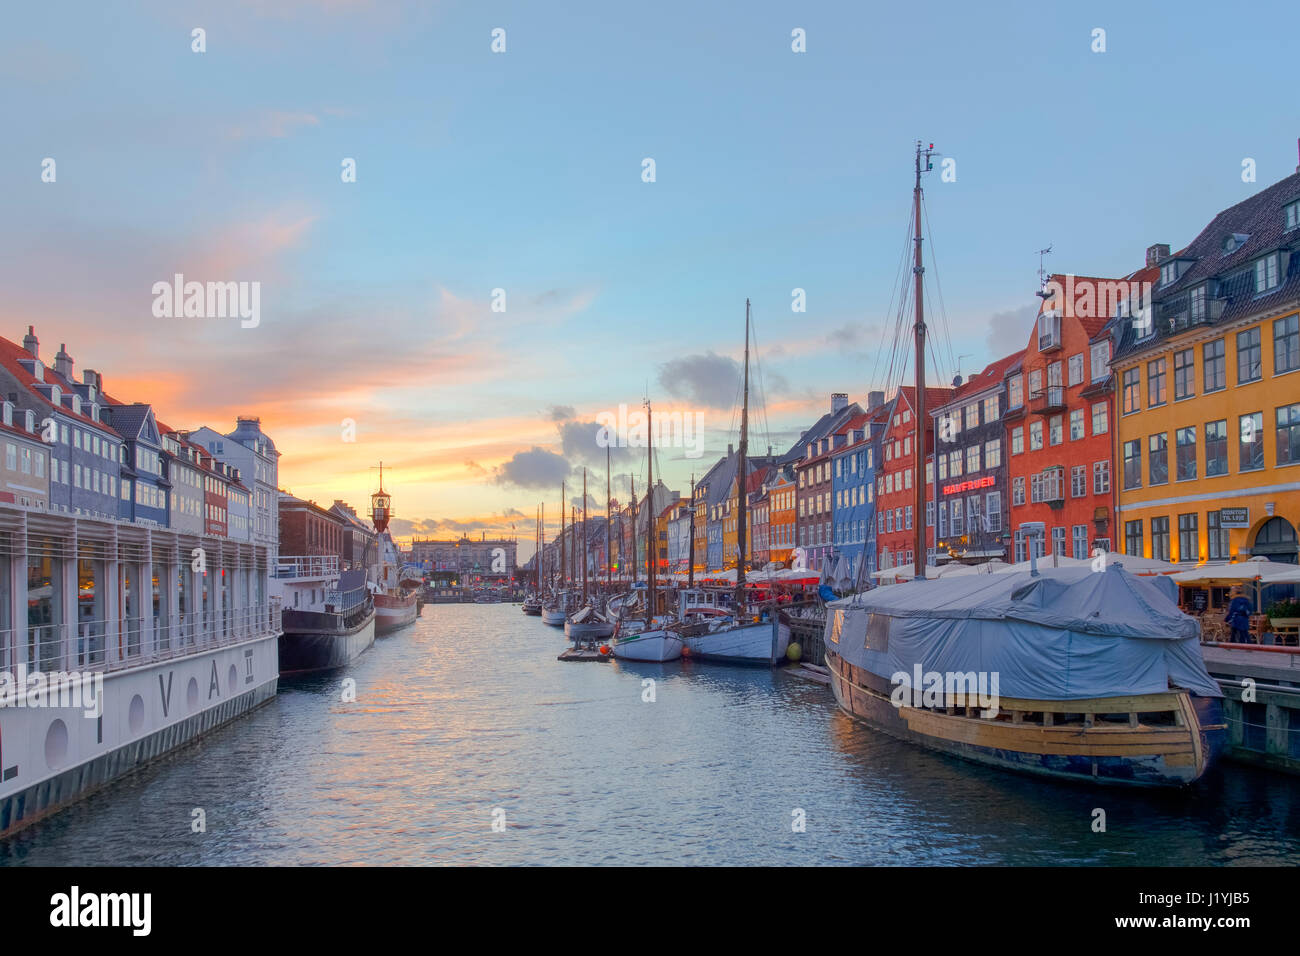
[[747, 644], [654, 645], [553, 617], [587, 630], [51, 757]]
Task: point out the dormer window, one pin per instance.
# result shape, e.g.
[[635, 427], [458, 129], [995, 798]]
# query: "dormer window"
[[1291, 214], [31, 420], [76, 403], [1266, 273], [1168, 273], [1198, 303], [1234, 242], [1049, 331], [9, 414]]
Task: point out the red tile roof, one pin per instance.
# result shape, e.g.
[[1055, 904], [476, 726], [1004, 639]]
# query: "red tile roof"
[[11, 353]]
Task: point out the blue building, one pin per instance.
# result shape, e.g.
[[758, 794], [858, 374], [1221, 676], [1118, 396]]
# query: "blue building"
[[853, 498], [145, 489]]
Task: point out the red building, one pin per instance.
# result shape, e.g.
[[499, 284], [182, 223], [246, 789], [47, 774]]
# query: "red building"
[[308, 529], [1060, 419], [895, 478]]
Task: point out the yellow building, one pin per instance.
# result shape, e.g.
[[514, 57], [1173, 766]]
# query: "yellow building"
[[1207, 379]]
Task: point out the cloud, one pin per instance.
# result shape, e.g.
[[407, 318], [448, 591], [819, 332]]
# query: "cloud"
[[475, 469], [1008, 330], [535, 468], [273, 124], [710, 379], [562, 413], [579, 441]]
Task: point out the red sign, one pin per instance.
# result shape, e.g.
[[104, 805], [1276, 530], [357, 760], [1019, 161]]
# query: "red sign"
[[985, 482]]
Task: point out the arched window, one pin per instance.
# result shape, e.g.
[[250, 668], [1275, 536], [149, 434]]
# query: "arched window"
[[1276, 541]]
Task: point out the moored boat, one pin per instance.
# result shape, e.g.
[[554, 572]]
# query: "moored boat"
[[653, 644], [329, 632], [393, 610], [1068, 673]]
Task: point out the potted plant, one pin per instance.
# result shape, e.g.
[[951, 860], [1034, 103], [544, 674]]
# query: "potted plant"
[[1285, 613]]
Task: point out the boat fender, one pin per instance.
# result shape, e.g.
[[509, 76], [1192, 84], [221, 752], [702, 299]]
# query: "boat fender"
[[604, 649]]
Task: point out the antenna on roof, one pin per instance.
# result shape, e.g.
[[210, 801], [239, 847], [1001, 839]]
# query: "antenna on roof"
[[1042, 271]]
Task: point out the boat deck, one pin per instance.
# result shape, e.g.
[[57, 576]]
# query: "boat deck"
[[581, 654]]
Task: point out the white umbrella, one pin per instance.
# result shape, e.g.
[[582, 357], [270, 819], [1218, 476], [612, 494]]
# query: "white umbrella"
[[1136, 564]]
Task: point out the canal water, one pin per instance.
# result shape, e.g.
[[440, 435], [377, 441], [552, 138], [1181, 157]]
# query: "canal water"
[[466, 719]]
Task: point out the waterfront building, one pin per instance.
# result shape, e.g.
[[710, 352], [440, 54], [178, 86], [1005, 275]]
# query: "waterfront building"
[[1208, 387], [86, 451], [701, 503], [895, 494], [144, 486], [756, 472], [758, 518], [661, 536], [782, 521], [853, 488], [810, 460], [360, 542], [967, 474], [185, 476], [253, 454], [307, 529], [24, 470], [467, 561], [679, 537]]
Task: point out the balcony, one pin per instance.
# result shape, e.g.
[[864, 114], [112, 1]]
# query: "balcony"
[[1049, 331], [306, 566], [1047, 401]]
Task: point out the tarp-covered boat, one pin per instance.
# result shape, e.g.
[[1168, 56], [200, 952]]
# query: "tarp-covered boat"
[[1069, 672]]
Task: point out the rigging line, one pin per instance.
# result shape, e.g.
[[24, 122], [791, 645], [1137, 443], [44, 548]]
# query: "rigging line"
[[943, 311], [758, 368], [900, 283]]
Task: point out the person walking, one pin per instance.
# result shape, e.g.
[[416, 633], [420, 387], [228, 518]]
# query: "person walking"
[[1238, 617]]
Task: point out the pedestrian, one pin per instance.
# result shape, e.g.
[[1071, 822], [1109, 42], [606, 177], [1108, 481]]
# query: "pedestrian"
[[1238, 617]]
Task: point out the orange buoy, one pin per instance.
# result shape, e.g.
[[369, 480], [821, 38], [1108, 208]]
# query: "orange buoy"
[[604, 648]]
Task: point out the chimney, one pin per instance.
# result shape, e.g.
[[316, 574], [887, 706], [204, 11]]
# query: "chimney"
[[839, 401], [875, 400], [1157, 252], [90, 377], [31, 343], [63, 362]]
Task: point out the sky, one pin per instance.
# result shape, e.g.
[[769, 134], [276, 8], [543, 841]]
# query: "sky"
[[501, 273]]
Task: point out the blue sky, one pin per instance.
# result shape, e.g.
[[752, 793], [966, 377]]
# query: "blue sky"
[[522, 171]]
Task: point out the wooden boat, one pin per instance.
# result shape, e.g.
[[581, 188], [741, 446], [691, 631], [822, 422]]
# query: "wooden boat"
[[1103, 673], [586, 625], [658, 643]]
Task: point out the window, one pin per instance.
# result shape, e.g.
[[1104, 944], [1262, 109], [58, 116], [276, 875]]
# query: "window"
[[1286, 344], [1248, 356], [955, 506], [1156, 382], [993, 511], [1058, 541], [1100, 359], [1133, 538], [943, 518], [1100, 419], [1078, 481], [1035, 435], [1185, 453], [1184, 372], [1216, 537], [1189, 544], [909, 517], [1132, 465], [991, 411], [1216, 448], [1132, 398], [1018, 490], [1101, 477], [1250, 444], [1291, 215], [1076, 424], [1054, 375], [1018, 440], [972, 417], [993, 453], [1198, 303], [1079, 536], [1214, 376], [972, 459], [1076, 369], [973, 523], [954, 464], [1056, 430], [1015, 391], [1160, 538], [1035, 382], [1266, 273], [1157, 459], [1288, 434], [929, 514]]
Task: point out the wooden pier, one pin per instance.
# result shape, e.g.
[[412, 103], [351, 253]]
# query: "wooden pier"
[[582, 654], [1261, 688]]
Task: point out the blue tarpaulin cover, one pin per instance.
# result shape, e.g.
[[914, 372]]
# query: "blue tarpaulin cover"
[[1065, 634]]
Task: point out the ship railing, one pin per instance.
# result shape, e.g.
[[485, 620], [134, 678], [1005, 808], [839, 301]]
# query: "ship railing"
[[306, 566], [342, 602], [133, 641]]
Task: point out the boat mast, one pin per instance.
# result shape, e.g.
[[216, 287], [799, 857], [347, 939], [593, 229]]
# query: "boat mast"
[[650, 536], [563, 566], [609, 567], [740, 475], [690, 567], [541, 554], [632, 563], [584, 536], [919, 413]]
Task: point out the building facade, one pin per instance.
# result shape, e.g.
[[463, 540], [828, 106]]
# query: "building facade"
[[1209, 392]]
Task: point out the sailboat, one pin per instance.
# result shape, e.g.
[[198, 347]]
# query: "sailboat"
[[652, 638], [533, 602], [586, 624], [1062, 672], [556, 610], [742, 638]]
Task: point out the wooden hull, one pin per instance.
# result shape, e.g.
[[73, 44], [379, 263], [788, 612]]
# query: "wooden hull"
[[649, 646], [394, 611], [553, 617], [748, 644], [587, 630], [1029, 736]]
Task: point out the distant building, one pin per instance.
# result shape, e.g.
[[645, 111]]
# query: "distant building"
[[307, 529], [466, 560]]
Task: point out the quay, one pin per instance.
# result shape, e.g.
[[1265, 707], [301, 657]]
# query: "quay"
[[1264, 730]]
